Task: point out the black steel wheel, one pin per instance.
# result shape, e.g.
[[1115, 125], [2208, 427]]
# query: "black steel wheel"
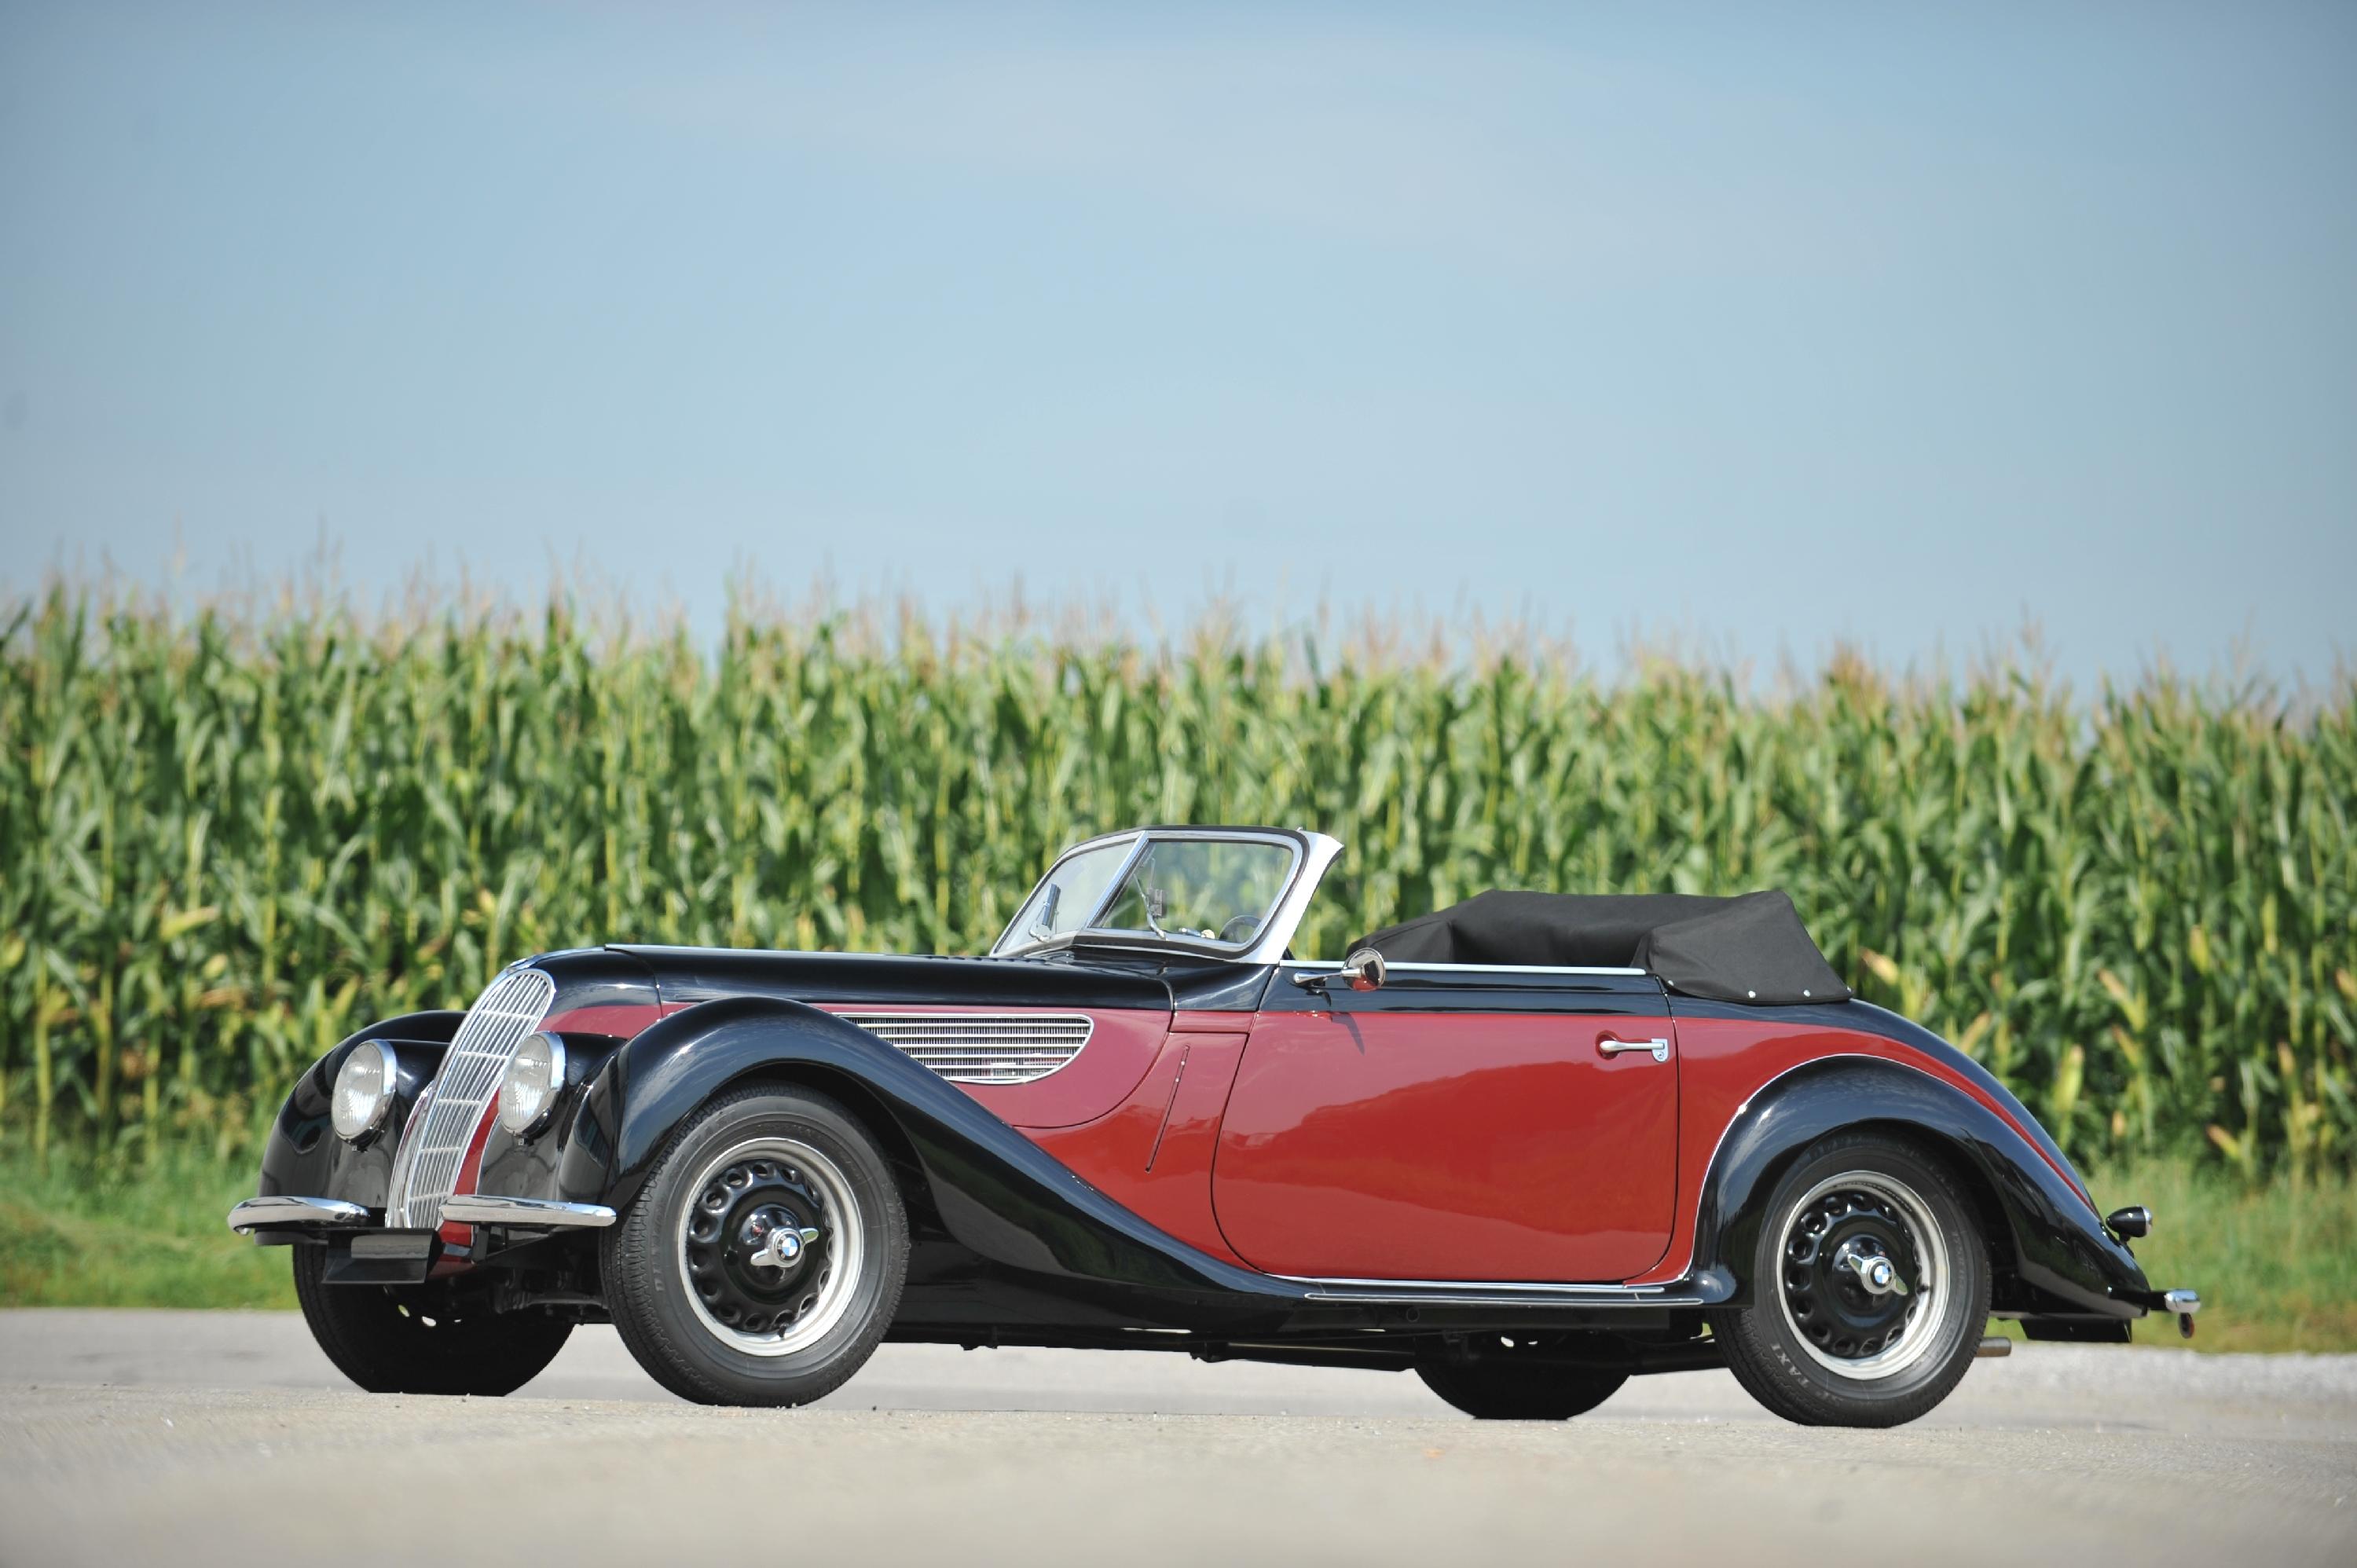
[[422, 1339], [763, 1260], [1869, 1284], [1521, 1378]]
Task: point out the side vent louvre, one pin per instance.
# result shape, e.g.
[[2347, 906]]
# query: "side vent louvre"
[[983, 1047]]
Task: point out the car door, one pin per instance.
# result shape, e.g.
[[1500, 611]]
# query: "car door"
[[1456, 1124]]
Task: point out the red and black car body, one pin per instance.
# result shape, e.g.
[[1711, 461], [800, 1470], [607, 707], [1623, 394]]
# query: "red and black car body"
[[1168, 1141]]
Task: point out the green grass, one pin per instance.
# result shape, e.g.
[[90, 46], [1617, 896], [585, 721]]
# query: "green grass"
[[2276, 1264], [78, 1233]]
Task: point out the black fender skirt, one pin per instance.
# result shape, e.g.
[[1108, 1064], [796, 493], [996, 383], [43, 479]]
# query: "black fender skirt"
[[1023, 1231], [2062, 1260]]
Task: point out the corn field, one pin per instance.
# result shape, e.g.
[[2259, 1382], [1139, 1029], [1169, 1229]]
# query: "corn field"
[[230, 837]]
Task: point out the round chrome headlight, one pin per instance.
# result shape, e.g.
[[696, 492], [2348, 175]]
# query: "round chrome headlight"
[[364, 1087], [533, 1080]]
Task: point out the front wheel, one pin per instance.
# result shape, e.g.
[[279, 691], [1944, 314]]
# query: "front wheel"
[[1870, 1287], [1521, 1378], [763, 1260], [422, 1339]]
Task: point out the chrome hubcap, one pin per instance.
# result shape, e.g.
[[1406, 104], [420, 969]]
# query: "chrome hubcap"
[[776, 1238], [1863, 1275], [1862, 1255], [770, 1246]]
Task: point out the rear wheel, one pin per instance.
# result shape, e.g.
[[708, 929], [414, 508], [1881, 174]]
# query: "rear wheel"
[[1520, 1377], [763, 1260], [1870, 1286], [422, 1339]]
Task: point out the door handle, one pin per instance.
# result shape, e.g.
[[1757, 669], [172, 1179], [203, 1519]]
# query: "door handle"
[[1610, 1046]]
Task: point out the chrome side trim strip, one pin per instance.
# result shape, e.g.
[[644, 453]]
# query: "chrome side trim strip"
[[483, 1208], [1487, 1286], [1491, 1293], [256, 1213], [1431, 1298], [1496, 968]]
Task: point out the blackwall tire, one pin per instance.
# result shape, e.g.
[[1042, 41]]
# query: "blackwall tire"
[[1510, 1380], [762, 1261], [1833, 1338], [421, 1339]]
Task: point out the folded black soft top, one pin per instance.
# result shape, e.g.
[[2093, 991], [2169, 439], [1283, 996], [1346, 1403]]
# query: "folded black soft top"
[[1751, 947]]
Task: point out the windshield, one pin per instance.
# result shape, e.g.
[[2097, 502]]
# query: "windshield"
[[1072, 892], [1209, 890], [1205, 891]]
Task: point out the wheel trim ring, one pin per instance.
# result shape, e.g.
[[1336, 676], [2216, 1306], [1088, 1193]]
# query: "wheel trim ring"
[[1923, 1317], [847, 1247]]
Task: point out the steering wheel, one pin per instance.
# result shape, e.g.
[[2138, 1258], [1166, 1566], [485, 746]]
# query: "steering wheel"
[[1240, 928]]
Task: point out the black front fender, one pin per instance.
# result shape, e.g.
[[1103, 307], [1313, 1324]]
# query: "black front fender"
[[303, 1157], [2060, 1257], [997, 1193]]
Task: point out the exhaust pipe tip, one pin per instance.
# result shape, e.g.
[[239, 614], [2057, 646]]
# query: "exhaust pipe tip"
[[1993, 1348]]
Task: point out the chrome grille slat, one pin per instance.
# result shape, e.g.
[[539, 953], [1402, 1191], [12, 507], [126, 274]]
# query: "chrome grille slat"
[[983, 1047], [435, 1145]]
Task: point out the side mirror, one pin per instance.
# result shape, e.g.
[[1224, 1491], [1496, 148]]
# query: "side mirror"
[[1364, 970]]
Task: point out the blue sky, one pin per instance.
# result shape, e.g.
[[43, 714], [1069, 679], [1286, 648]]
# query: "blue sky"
[[1752, 328]]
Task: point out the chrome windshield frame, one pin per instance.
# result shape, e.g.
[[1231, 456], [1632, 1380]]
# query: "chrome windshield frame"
[[1313, 854]]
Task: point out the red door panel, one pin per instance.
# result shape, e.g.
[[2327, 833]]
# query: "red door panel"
[[1449, 1146], [1153, 1156]]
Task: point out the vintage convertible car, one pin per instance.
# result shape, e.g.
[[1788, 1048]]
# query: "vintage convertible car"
[[1525, 1147]]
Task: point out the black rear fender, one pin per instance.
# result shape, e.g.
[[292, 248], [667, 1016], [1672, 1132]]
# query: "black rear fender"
[[2049, 1248]]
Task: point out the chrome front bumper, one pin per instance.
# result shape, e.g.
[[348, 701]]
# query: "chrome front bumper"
[[277, 1213], [480, 1209], [267, 1213]]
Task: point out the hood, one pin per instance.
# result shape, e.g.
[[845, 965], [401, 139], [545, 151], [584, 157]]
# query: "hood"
[[684, 976]]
